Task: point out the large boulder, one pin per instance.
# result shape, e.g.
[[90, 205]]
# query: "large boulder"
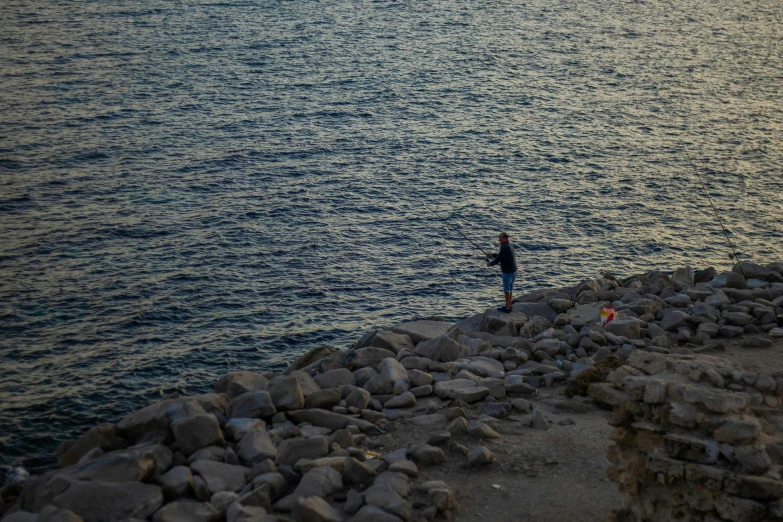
[[441, 349], [177, 483], [318, 482], [187, 511], [335, 378], [251, 405], [312, 358], [97, 501], [674, 319], [197, 432], [155, 419], [630, 328], [306, 383], [286, 393], [219, 476], [534, 326], [393, 370], [331, 420], [238, 428], [315, 509], [729, 280], [102, 437], [291, 450], [256, 446], [236, 383], [461, 389], [641, 306], [419, 331], [482, 366], [371, 357], [540, 309], [756, 271], [391, 341]]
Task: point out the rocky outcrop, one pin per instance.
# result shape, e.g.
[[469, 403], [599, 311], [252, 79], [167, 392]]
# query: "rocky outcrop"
[[695, 438]]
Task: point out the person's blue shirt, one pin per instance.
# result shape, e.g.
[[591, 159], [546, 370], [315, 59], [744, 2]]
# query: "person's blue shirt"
[[506, 259]]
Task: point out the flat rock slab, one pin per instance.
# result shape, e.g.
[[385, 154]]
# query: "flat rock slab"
[[219, 476], [187, 511], [587, 312], [420, 331], [461, 389], [107, 502]]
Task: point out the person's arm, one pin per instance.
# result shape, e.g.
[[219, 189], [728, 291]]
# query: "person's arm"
[[499, 256]]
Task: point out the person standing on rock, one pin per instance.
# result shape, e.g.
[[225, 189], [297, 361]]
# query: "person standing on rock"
[[508, 267]]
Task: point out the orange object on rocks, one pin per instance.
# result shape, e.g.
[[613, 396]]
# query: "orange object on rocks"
[[607, 314]]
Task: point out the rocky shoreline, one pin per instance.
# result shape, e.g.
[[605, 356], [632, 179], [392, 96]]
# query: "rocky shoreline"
[[303, 446]]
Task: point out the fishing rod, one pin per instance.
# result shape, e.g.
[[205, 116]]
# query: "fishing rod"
[[449, 224], [704, 187]]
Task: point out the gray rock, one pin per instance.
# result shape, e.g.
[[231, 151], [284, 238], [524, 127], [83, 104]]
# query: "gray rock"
[[426, 454], [457, 426], [517, 384], [416, 363], [353, 502], [323, 398], [176, 483], [200, 491], [442, 499], [391, 341], [419, 378], [398, 482], [374, 514], [291, 450], [222, 500], [256, 446], [278, 485], [52, 514], [236, 383], [238, 428], [406, 467], [318, 482], [187, 511], [155, 419], [96, 501], [728, 280], [443, 349], [378, 385], [358, 398], [461, 389], [286, 393], [306, 383], [219, 476], [388, 500], [539, 422], [197, 432], [331, 420], [102, 437], [534, 326], [335, 378], [738, 319], [393, 370], [315, 509], [405, 400], [630, 328], [422, 391], [674, 320], [419, 331], [480, 430], [482, 366], [356, 472], [371, 357]]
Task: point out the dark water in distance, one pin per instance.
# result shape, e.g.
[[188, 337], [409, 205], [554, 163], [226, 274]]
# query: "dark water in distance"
[[192, 187]]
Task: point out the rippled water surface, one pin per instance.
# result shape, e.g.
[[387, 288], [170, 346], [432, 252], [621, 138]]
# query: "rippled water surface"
[[192, 187]]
